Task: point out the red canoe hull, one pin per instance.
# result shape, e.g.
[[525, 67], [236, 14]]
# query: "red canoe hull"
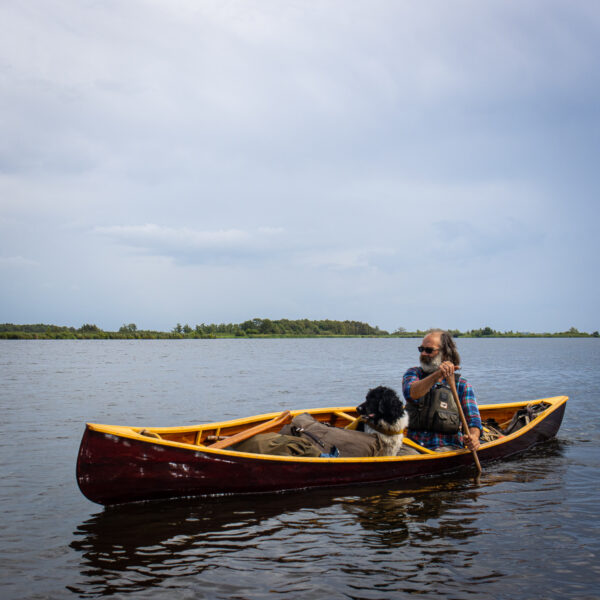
[[113, 469]]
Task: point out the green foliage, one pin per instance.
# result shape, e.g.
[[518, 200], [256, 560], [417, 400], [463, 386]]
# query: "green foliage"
[[301, 327], [38, 331], [486, 331], [252, 328], [39, 328]]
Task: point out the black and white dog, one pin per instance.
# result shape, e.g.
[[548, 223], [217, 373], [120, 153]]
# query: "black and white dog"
[[384, 415]]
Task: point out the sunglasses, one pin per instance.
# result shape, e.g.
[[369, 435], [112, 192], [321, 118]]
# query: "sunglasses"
[[427, 349]]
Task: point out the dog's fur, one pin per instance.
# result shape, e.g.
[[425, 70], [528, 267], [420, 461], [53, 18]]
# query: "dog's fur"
[[384, 415]]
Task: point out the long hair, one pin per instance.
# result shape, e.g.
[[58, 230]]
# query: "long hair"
[[448, 347]]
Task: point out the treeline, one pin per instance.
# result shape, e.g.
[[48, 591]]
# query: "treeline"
[[493, 333], [251, 328], [284, 327], [489, 332], [85, 332], [254, 328]]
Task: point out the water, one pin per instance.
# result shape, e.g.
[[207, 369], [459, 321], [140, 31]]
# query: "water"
[[528, 530]]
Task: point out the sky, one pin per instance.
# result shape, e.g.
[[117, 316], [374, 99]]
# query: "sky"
[[401, 163]]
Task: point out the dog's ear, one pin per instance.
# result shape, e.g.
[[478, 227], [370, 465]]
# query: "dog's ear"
[[390, 405], [372, 395]]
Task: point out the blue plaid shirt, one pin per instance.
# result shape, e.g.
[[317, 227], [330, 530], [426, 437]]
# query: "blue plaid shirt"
[[469, 405]]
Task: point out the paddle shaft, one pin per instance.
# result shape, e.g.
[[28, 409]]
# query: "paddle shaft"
[[465, 426]]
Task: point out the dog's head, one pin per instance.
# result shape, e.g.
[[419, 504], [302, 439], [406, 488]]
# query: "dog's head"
[[383, 409]]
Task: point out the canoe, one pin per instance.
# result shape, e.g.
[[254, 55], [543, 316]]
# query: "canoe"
[[119, 464]]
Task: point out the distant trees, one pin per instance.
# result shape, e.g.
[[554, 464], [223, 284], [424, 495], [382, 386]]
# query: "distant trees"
[[486, 331], [305, 327], [252, 328]]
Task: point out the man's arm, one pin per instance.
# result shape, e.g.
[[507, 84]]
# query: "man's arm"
[[420, 387], [472, 440], [472, 416]]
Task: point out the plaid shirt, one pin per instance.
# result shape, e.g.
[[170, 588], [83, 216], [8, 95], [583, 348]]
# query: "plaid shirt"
[[469, 406]]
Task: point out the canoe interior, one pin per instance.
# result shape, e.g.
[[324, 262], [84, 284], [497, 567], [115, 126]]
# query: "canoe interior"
[[205, 435]]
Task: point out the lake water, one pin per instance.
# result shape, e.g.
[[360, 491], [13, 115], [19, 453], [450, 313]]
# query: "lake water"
[[528, 530]]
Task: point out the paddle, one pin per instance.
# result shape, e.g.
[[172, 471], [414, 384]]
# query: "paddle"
[[465, 426], [282, 419]]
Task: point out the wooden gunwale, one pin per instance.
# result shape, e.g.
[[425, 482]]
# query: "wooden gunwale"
[[235, 425]]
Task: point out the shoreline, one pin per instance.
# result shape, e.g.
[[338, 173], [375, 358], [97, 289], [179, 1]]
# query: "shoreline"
[[26, 336]]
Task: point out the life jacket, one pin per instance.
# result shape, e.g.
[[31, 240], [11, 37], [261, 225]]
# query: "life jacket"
[[436, 411]]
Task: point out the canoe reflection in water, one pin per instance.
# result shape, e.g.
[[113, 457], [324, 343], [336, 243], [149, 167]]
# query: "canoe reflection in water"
[[299, 542]]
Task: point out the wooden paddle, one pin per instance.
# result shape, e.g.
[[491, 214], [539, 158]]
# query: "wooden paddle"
[[465, 426], [283, 419]]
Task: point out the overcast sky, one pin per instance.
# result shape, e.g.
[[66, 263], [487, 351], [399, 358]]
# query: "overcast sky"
[[407, 164]]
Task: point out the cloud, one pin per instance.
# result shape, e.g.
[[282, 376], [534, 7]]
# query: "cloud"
[[17, 262], [238, 82], [343, 258], [187, 245], [462, 240], [262, 245]]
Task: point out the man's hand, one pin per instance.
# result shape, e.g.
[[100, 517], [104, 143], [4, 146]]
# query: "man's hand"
[[446, 370], [472, 439], [420, 387]]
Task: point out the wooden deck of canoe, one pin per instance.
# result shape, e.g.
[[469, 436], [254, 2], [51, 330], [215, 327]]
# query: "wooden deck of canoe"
[[123, 464]]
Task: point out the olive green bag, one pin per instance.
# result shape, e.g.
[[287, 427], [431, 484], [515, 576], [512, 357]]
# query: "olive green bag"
[[277, 444], [334, 441]]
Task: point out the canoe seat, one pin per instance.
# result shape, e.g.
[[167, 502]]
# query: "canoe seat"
[[421, 449], [151, 434]]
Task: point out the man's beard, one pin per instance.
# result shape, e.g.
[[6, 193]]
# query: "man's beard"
[[429, 364]]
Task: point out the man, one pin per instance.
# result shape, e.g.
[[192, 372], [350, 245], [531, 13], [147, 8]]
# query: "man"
[[434, 419]]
